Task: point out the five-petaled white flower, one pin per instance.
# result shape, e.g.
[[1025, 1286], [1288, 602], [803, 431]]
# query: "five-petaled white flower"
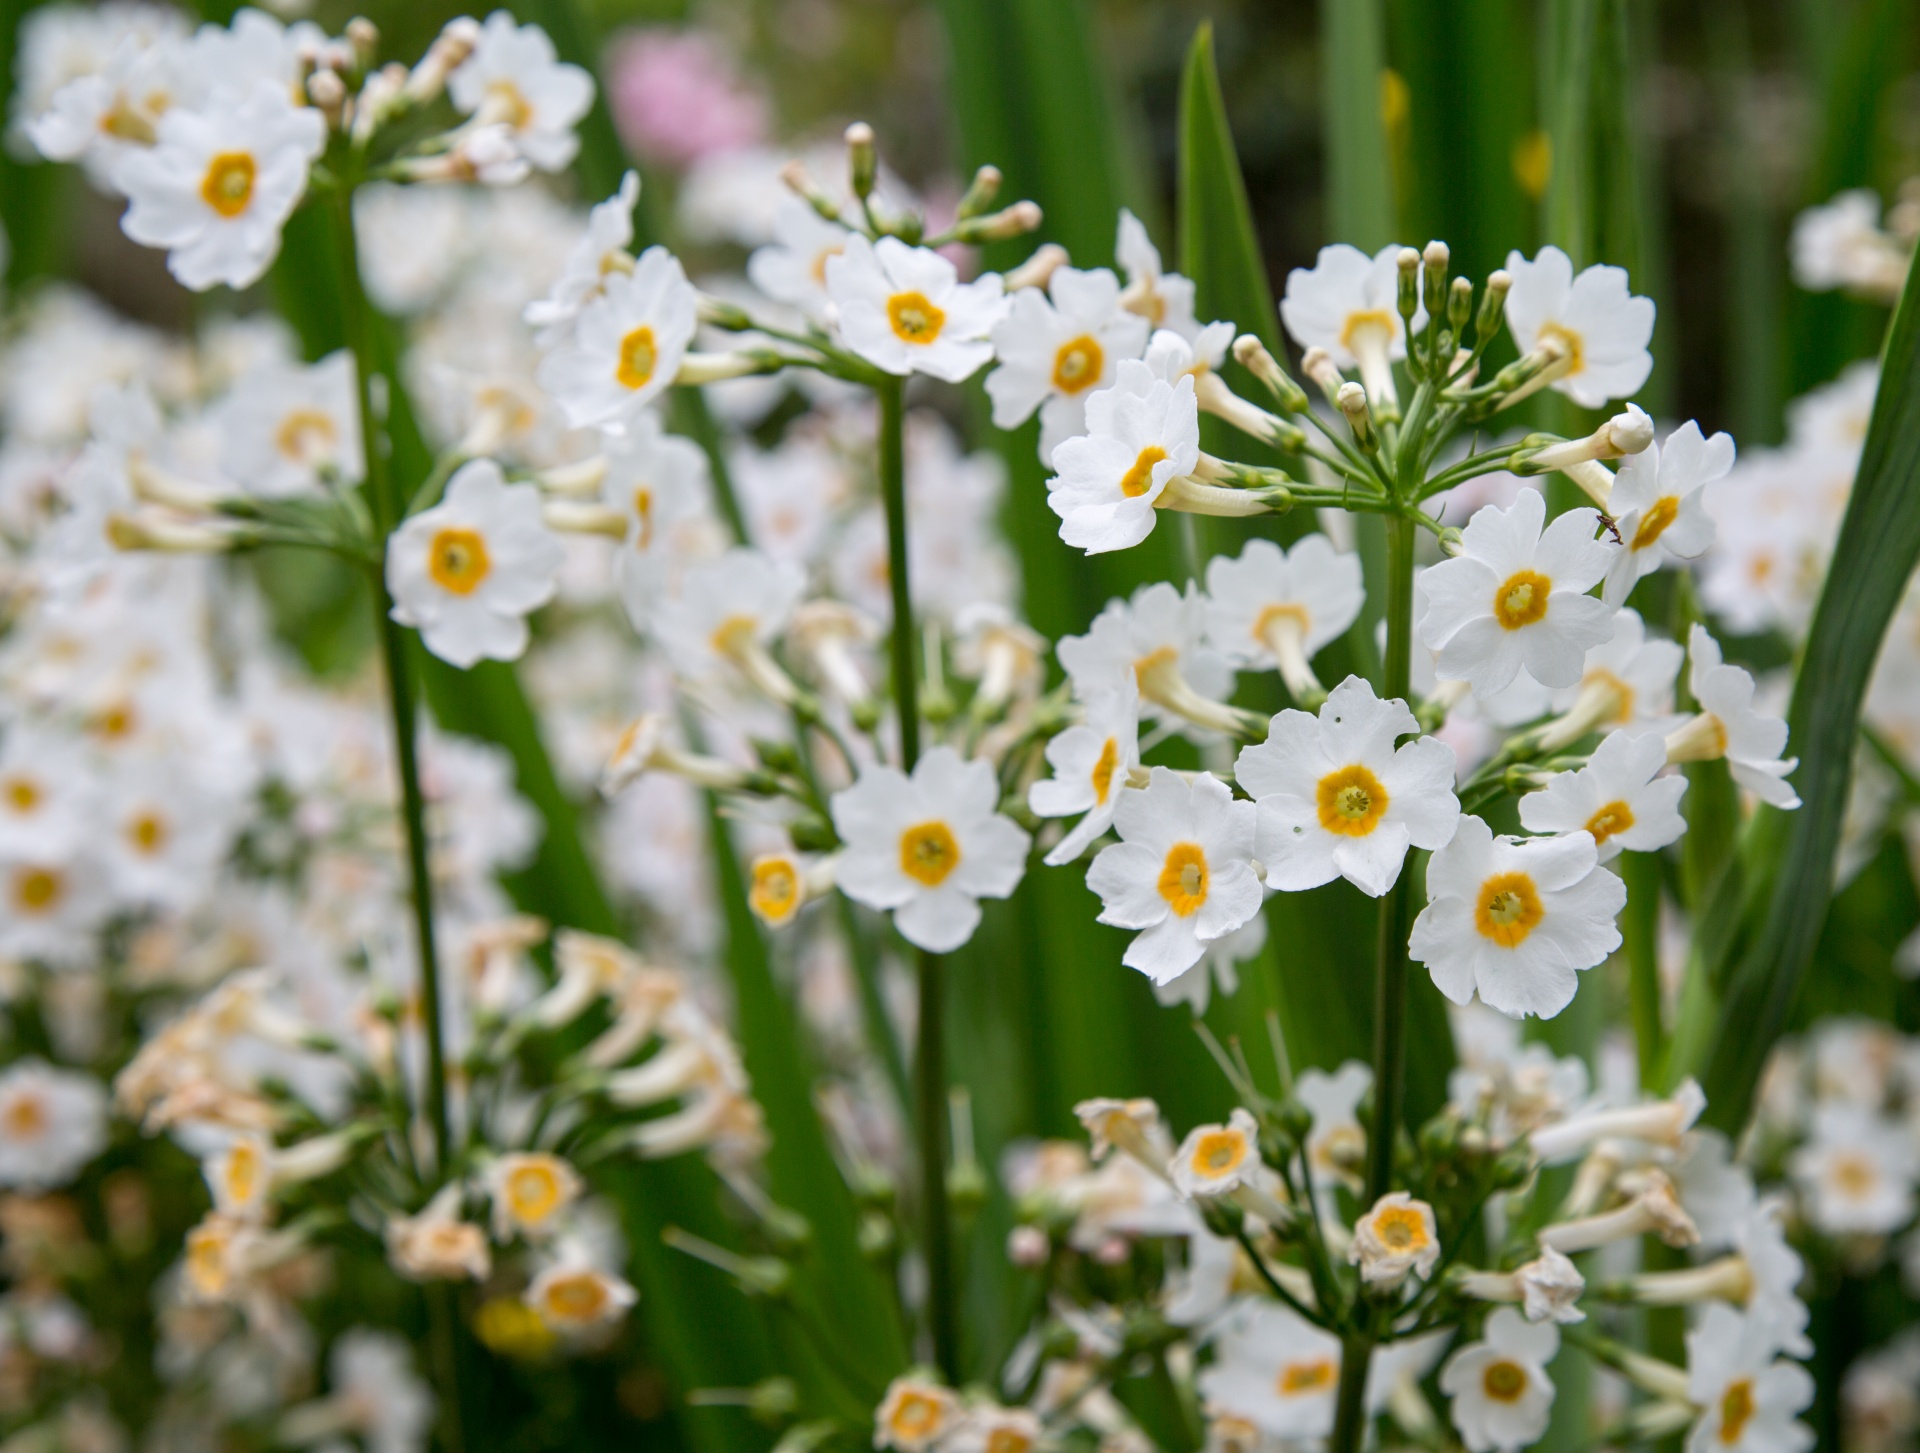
[[905, 310], [1156, 638], [220, 182], [1164, 299], [514, 80], [1659, 505], [1749, 1398], [1728, 726], [1593, 326], [52, 1122], [1277, 608], [928, 847], [1336, 799], [1619, 798], [1349, 305], [792, 269], [1275, 1369], [1515, 919], [626, 345], [1182, 871], [1856, 1172], [1215, 1160], [1515, 597], [1501, 1394], [727, 613], [1091, 763], [467, 572], [1397, 1238], [1057, 348], [1141, 435], [286, 425], [599, 254]]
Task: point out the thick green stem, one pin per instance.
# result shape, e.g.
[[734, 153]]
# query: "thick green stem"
[[929, 1065], [383, 503], [1350, 1403]]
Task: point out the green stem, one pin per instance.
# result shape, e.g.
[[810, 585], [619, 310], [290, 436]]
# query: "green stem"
[[384, 503], [929, 1061], [1350, 1402]]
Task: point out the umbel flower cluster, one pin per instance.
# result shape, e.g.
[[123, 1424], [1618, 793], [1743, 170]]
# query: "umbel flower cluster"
[[769, 620]]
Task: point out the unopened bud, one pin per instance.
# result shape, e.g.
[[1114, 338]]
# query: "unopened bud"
[[801, 183], [1459, 304], [1037, 271], [1028, 1246], [1436, 257], [1408, 262], [328, 93], [1318, 365], [1493, 303], [863, 159], [364, 36], [980, 195], [1015, 221], [1352, 401], [1253, 356]]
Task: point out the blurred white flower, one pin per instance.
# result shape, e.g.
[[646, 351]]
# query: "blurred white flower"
[[1502, 1396], [52, 1122], [625, 347], [792, 269], [600, 253], [1749, 1400], [1275, 1369], [1727, 726], [1856, 1172], [513, 79], [1276, 608], [285, 424]]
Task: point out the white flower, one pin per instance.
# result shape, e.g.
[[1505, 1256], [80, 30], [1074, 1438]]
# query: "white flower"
[[727, 612], [287, 423], [1396, 1238], [661, 483], [1515, 598], [1349, 305], [220, 182], [1594, 325], [1141, 435], [599, 254], [51, 905], [1216, 1159], [1514, 919], [792, 269], [1220, 962], [1276, 1369], [101, 117], [1276, 608], [529, 1191], [1337, 799], [52, 1122], [46, 791], [914, 1414], [1158, 640], [1502, 1397], [1856, 1172], [1336, 1142], [625, 347], [1164, 299], [905, 310], [1056, 348], [467, 572], [1840, 245], [1626, 682], [1750, 1399], [513, 79], [1619, 798], [1091, 763], [928, 847], [163, 835], [377, 1394], [1182, 871], [1728, 726], [1659, 506], [576, 1299]]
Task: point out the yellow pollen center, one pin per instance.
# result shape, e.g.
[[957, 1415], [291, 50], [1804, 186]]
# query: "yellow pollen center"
[[243, 1172], [1139, 478], [26, 1117], [1219, 1152], [1504, 1382], [1570, 345], [1303, 1379], [22, 794], [1736, 1410], [578, 1298], [916, 1417], [38, 890], [914, 318], [116, 721], [207, 1260], [533, 1191], [1008, 1440], [306, 435], [1509, 909], [1360, 326], [1614, 818], [507, 104], [1654, 523], [1078, 365], [1854, 1175], [928, 853], [1104, 769], [458, 561], [639, 356], [1184, 879], [643, 513], [733, 635], [1351, 801], [1274, 619], [148, 833], [228, 184], [776, 889], [1400, 1229], [1153, 663], [1522, 599]]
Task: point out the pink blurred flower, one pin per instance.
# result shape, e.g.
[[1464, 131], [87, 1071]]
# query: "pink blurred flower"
[[677, 96]]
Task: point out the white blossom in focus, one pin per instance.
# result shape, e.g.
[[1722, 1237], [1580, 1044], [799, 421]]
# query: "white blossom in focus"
[[905, 310], [1599, 329]]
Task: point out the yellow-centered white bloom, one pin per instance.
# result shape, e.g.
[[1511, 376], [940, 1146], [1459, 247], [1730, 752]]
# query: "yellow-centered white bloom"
[[1091, 764], [1619, 798], [1275, 1369], [530, 1191], [52, 1122], [1057, 348], [1502, 1396], [792, 268], [513, 79], [625, 346], [726, 615], [1277, 608], [575, 1299], [288, 426], [1215, 1160], [1727, 726], [1856, 1172], [1748, 1397], [915, 1414], [1142, 437], [1659, 505], [1397, 1238], [435, 1244], [1348, 305], [905, 310], [1590, 331]]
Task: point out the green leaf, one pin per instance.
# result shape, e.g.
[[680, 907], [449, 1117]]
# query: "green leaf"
[[1353, 65], [1793, 853], [1219, 249]]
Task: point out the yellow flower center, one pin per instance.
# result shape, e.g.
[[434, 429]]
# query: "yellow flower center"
[[207, 1259], [1365, 326], [243, 1172], [1274, 619], [1401, 1228], [1008, 1440], [1078, 364], [917, 1416], [1522, 599], [116, 721], [579, 1297], [1504, 1382], [1304, 1379], [228, 184], [38, 890], [1509, 909], [643, 514], [928, 853], [1854, 1175], [639, 356], [1571, 346], [1184, 879], [458, 561], [507, 104], [1654, 523], [1351, 801], [1104, 769], [1736, 1410], [733, 636], [1219, 1152], [914, 318], [776, 890], [148, 833], [306, 435], [1615, 817], [22, 794], [1623, 694], [533, 1193], [1139, 478], [26, 1117]]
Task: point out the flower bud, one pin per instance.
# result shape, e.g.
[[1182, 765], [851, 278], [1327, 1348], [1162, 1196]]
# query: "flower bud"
[[980, 195], [1253, 356], [863, 159], [1038, 270], [1408, 298], [1493, 303]]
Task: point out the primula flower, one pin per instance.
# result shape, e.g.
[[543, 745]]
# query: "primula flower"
[[52, 1122], [1349, 305], [1840, 244], [1516, 598], [51, 904], [1728, 726], [577, 1299], [165, 835], [1619, 798], [1157, 639], [436, 1244], [1659, 506], [1182, 871], [625, 347], [46, 791], [792, 269], [1595, 331], [1216, 1159], [599, 254], [1749, 1398], [914, 1414], [1277, 1370], [905, 310], [1141, 435], [1501, 1394], [1337, 799], [1337, 1142], [1856, 1172], [375, 1394], [1396, 1238], [220, 182], [530, 1190], [1057, 348], [1164, 299], [661, 483], [1277, 608], [467, 572], [1515, 918], [928, 847], [284, 427], [727, 613], [1626, 684], [1091, 764], [514, 80]]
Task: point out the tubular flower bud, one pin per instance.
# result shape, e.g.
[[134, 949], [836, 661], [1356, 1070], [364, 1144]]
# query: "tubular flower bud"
[[1659, 1122], [1493, 304], [1546, 1288], [801, 183], [1656, 1210], [1215, 398], [1015, 221], [575, 481], [644, 747], [1038, 270], [1725, 1279], [863, 159], [1253, 356], [448, 52], [1351, 400], [169, 533], [980, 192], [584, 517], [1623, 434], [828, 636]]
